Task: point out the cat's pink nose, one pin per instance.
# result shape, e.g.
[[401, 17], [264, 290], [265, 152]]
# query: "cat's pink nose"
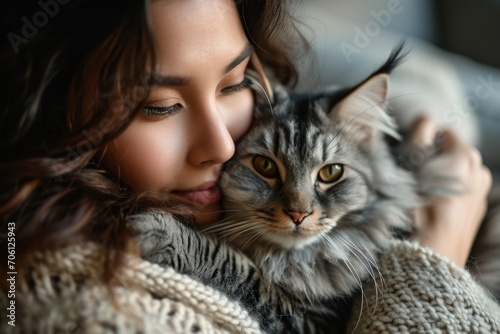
[[297, 217]]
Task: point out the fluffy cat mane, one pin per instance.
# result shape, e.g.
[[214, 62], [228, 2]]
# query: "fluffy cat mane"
[[355, 239]]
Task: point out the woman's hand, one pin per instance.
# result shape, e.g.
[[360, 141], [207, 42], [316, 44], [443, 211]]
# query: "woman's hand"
[[449, 225]]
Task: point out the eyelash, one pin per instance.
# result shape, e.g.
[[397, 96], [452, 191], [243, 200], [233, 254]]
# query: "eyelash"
[[174, 109], [162, 111], [238, 87]]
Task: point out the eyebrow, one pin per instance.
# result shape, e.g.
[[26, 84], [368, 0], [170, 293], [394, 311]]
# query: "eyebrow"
[[247, 52], [156, 79]]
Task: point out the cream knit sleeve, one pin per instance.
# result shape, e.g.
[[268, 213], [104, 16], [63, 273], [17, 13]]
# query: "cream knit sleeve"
[[423, 292], [61, 293]]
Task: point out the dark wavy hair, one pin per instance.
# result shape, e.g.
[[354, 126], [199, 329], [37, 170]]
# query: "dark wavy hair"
[[76, 78]]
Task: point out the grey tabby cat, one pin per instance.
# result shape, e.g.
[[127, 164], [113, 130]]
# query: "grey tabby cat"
[[312, 196]]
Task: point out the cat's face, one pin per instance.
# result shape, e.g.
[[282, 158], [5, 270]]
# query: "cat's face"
[[304, 166]]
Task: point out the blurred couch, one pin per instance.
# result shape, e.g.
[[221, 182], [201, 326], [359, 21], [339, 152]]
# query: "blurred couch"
[[352, 38]]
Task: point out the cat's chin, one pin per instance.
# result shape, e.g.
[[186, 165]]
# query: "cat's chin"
[[291, 241]]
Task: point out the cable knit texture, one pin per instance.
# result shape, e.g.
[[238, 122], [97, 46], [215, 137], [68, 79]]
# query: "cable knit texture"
[[62, 294], [423, 293]]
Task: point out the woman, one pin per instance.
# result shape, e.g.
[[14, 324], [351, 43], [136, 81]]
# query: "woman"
[[117, 107]]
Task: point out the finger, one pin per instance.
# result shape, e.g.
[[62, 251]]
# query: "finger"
[[423, 132], [487, 179], [418, 217], [448, 140], [488, 176]]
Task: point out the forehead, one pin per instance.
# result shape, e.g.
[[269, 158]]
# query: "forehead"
[[185, 31], [194, 16]]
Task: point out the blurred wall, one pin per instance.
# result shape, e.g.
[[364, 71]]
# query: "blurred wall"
[[470, 28]]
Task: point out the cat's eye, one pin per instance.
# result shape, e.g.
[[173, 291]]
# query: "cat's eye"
[[331, 173], [265, 166]]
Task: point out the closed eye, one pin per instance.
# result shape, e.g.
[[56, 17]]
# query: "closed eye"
[[236, 88], [162, 111]]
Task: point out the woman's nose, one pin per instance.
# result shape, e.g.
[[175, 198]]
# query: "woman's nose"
[[211, 140]]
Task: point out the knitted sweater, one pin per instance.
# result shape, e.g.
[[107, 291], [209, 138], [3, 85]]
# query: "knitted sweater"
[[422, 293]]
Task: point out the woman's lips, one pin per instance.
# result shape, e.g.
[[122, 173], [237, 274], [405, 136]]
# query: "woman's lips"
[[202, 196]]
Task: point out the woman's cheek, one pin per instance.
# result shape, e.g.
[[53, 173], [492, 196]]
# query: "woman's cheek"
[[239, 113], [143, 156]]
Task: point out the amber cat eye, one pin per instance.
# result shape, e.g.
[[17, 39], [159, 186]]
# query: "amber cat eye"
[[265, 166], [331, 173]]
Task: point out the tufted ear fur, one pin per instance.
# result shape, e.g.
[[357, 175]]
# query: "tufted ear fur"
[[364, 109]]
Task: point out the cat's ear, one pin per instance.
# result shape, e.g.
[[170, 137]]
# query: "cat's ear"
[[364, 109]]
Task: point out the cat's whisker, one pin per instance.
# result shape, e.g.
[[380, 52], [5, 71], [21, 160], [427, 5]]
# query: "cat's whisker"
[[361, 306], [379, 290], [228, 215], [368, 264], [358, 280], [223, 224], [244, 229], [253, 238], [348, 263], [230, 235], [217, 211], [241, 229], [355, 251], [370, 260], [380, 276], [232, 220], [349, 266], [233, 228], [369, 268]]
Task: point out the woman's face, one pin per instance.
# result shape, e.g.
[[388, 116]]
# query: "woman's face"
[[196, 109]]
